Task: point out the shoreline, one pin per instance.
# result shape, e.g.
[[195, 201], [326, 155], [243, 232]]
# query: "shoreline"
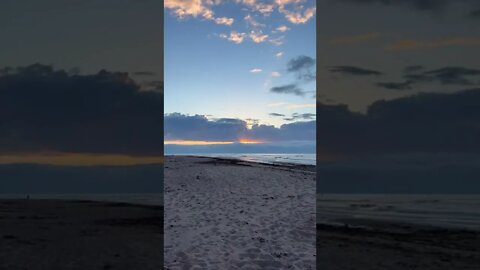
[[238, 161], [275, 163]]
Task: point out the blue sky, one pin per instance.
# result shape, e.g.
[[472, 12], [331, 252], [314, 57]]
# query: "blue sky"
[[224, 65]]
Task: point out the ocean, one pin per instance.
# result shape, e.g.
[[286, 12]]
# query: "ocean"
[[135, 198], [304, 159], [447, 211]]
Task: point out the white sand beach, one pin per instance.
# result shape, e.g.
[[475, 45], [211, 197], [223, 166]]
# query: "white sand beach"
[[227, 214]]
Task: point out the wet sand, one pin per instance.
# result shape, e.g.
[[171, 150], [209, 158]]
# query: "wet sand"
[[231, 214], [374, 245], [57, 234]]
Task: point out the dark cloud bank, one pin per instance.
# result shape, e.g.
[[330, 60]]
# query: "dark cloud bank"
[[424, 143], [43, 109], [426, 122], [292, 137]]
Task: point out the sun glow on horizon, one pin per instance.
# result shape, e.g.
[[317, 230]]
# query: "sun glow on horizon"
[[249, 141], [79, 159], [195, 142]]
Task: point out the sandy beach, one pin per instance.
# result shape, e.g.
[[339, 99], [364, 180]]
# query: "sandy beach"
[[230, 214], [382, 245], [403, 231], [59, 234]]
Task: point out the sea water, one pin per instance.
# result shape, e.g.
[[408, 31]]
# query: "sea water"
[[304, 159], [134, 198], [449, 211]]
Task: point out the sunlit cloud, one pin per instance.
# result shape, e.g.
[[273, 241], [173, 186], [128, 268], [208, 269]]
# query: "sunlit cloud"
[[282, 28], [262, 8], [277, 41], [234, 36], [224, 21], [196, 8], [258, 36], [252, 22], [256, 70], [435, 43], [275, 74], [298, 17], [184, 8]]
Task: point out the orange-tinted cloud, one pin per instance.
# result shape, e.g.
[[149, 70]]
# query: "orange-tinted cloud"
[[348, 40], [234, 37], [408, 44], [79, 159]]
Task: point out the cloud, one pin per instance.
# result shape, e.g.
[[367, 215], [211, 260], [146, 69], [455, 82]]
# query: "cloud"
[[413, 68], [304, 69], [446, 76], [263, 8], [155, 86], [356, 71], [279, 54], [298, 17], [252, 22], [421, 5], [47, 110], [258, 36], [410, 44], [184, 8], [303, 66], [288, 89], [355, 39], [425, 122], [198, 127], [453, 75], [278, 40], [276, 114], [301, 116], [196, 8], [282, 28], [224, 21], [301, 106], [234, 37], [275, 74], [474, 14], [144, 73], [396, 86], [256, 70]]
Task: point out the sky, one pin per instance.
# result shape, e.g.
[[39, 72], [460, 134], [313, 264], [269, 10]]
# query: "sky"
[[398, 76], [246, 68], [81, 82]]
